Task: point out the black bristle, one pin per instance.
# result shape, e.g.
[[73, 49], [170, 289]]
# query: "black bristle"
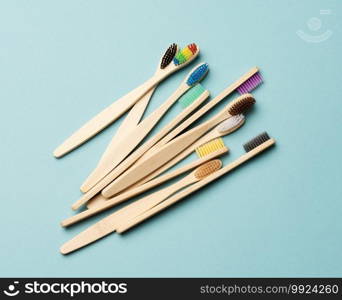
[[168, 56], [242, 105], [257, 141]]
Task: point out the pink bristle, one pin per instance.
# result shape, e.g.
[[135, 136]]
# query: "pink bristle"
[[250, 84]]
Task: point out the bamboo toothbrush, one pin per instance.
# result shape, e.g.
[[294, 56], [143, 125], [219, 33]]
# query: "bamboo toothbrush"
[[252, 148], [120, 106], [174, 147], [246, 82], [206, 152], [108, 224], [196, 96], [135, 114], [127, 144], [224, 128], [201, 146]]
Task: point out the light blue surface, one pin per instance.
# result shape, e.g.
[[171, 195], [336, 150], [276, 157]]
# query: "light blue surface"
[[279, 215]]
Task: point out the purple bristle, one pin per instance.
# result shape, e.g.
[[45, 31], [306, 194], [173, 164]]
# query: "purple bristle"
[[250, 84]]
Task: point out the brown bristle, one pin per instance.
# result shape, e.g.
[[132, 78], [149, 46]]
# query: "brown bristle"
[[208, 168], [241, 104], [168, 56]]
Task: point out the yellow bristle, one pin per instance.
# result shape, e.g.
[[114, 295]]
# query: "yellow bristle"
[[210, 147], [187, 53]]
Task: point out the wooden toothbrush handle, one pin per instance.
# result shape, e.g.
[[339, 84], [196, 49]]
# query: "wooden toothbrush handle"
[[129, 123], [139, 152], [106, 117], [131, 120], [166, 153], [140, 206], [127, 145], [103, 204], [196, 186], [176, 159]]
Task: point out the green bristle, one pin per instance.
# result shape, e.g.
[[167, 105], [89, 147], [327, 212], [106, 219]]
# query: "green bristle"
[[180, 57], [191, 95]]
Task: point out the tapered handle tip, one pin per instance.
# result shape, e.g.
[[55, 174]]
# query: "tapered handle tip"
[[63, 224], [75, 206], [62, 150], [84, 188], [106, 193], [64, 250], [119, 230], [57, 153]]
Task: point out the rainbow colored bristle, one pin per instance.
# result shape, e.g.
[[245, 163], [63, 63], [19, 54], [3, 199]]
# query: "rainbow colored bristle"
[[250, 84], [185, 54]]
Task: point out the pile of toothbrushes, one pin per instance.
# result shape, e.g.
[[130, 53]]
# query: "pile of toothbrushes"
[[129, 166]]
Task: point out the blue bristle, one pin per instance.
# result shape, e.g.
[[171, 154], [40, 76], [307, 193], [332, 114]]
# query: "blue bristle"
[[176, 61], [197, 74]]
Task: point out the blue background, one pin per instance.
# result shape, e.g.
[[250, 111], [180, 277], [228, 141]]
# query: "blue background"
[[61, 62]]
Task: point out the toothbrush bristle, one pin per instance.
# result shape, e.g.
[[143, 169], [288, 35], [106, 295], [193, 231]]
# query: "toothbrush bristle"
[[197, 74], [210, 147], [231, 123], [191, 95], [257, 141], [250, 84], [168, 56], [193, 48], [185, 54], [208, 168], [241, 104]]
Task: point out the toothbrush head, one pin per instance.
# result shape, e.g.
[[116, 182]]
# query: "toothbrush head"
[[186, 54], [192, 95], [257, 141], [231, 124], [211, 147], [250, 84], [197, 74], [241, 104], [207, 168], [168, 56]]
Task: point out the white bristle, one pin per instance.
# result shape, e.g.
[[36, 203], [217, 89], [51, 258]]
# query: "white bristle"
[[230, 123]]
